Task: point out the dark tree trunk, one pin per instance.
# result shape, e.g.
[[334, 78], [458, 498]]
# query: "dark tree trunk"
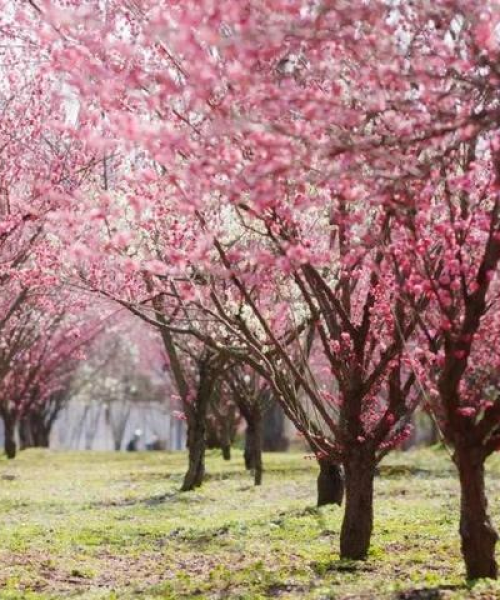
[[34, 432], [218, 435], [330, 483], [196, 447], [25, 434], [476, 530], [249, 452], [257, 451], [253, 444], [226, 451], [357, 525], [196, 414], [42, 437], [40, 431], [225, 441], [10, 446]]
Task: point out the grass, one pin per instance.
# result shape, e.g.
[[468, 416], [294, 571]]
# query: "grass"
[[106, 526]]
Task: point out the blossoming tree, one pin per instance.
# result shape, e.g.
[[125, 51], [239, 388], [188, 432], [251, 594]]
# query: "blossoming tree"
[[292, 143]]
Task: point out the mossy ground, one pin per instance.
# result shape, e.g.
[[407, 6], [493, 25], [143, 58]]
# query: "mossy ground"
[[114, 526]]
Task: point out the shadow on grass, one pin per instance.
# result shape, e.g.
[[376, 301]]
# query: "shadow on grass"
[[321, 568], [434, 593], [157, 500], [403, 471]]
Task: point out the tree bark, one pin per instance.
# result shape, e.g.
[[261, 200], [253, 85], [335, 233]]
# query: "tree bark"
[[257, 452], [330, 483], [10, 446], [357, 525], [196, 414], [225, 441], [249, 452], [477, 533], [196, 446], [253, 444]]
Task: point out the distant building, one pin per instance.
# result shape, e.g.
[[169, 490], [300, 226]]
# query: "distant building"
[[93, 426]]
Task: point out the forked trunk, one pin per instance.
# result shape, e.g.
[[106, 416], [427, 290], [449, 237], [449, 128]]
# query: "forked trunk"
[[477, 533], [330, 483], [357, 525]]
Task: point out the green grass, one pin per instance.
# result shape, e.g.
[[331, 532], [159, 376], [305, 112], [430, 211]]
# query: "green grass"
[[114, 526]]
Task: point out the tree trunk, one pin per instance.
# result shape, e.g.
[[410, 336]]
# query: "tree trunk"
[[249, 453], [196, 446], [9, 436], [476, 530], [257, 451], [196, 414], [330, 483], [225, 441], [357, 525], [34, 432], [43, 438], [226, 451], [26, 438]]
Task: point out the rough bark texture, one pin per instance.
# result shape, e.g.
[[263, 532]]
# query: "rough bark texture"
[[357, 525], [196, 415], [330, 484], [196, 450], [477, 533], [10, 446]]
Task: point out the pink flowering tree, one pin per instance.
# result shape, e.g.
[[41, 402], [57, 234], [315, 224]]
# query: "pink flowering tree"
[[442, 125], [454, 263], [261, 154], [40, 350], [294, 143]]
